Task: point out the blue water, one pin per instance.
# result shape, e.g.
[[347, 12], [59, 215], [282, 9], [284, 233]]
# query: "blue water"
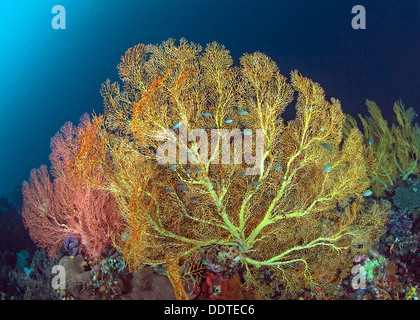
[[48, 77]]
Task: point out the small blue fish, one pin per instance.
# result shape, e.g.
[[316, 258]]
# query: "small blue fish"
[[172, 167], [197, 169], [202, 129], [169, 190], [228, 120], [243, 112], [255, 183], [206, 114], [247, 132], [367, 193], [194, 198], [242, 174], [188, 171], [277, 167], [176, 126], [184, 188], [327, 146], [369, 142], [327, 168]]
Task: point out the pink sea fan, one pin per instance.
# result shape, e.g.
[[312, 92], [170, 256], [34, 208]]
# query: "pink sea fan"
[[54, 210]]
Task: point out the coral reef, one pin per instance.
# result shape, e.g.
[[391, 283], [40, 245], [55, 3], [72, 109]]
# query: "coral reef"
[[178, 197], [384, 279], [33, 283], [396, 148], [193, 171], [407, 198], [75, 203]]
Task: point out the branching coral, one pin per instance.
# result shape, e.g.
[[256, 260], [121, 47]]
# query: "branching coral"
[[188, 175], [75, 202], [396, 148]]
